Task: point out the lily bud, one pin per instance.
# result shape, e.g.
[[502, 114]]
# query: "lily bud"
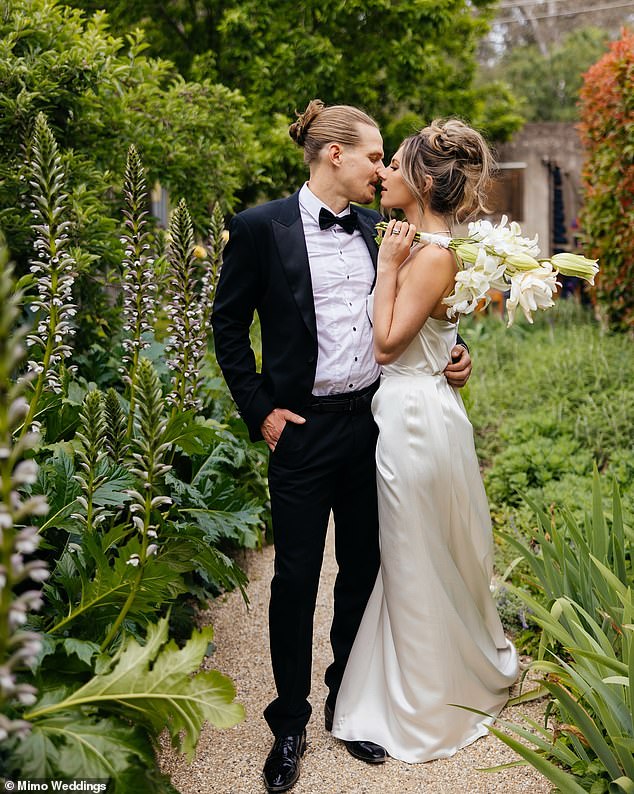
[[575, 265], [521, 261], [468, 252]]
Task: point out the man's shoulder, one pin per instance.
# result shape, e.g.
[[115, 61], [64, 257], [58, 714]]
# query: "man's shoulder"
[[373, 215], [268, 210]]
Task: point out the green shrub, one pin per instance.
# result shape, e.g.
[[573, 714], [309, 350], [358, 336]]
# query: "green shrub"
[[584, 571], [546, 401], [137, 495], [100, 93]]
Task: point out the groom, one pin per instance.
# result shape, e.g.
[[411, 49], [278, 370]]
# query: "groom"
[[306, 264]]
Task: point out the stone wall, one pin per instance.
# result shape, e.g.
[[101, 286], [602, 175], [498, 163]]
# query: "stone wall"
[[551, 152]]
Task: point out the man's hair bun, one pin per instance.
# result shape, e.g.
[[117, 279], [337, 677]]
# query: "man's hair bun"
[[299, 128]]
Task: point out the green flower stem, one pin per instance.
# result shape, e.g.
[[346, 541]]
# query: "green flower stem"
[[85, 608], [8, 459], [72, 702], [139, 287], [46, 360], [132, 393], [150, 469], [136, 582], [6, 594]]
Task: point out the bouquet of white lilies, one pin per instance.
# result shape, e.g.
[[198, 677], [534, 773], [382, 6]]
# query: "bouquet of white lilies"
[[498, 257]]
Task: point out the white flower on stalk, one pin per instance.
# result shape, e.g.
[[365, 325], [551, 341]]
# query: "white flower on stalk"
[[55, 267], [502, 239], [473, 283], [575, 265], [18, 647], [471, 287], [187, 330], [139, 280], [532, 290], [493, 267], [497, 256]]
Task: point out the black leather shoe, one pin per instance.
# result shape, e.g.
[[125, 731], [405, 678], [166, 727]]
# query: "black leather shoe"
[[281, 769], [329, 714], [369, 752]]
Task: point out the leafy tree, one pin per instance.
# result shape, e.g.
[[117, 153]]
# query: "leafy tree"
[[101, 93], [399, 61], [607, 218], [548, 85]]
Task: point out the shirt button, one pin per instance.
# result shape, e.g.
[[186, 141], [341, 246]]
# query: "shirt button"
[[354, 328], [355, 358], [350, 385]]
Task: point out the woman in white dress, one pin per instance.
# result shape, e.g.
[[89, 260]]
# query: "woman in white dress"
[[431, 639]]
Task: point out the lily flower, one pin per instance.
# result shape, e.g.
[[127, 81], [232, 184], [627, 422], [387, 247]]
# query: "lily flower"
[[530, 291], [497, 256], [575, 265]]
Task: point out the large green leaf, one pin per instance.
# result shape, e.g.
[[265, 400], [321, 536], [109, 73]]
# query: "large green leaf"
[[188, 549], [239, 524], [242, 526], [88, 588], [113, 491], [564, 781], [587, 725], [80, 745], [55, 481], [160, 686], [189, 435]]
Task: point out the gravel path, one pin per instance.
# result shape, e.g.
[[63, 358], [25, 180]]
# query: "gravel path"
[[230, 761]]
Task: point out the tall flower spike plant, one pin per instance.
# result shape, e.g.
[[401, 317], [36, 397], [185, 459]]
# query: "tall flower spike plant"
[[218, 237], [18, 541], [117, 436], [149, 452], [188, 336], [138, 283], [53, 266], [90, 456]]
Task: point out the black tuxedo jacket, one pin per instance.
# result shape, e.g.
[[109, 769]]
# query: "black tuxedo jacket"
[[265, 269]]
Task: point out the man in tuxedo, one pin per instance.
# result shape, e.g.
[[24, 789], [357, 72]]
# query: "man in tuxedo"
[[306, 264]]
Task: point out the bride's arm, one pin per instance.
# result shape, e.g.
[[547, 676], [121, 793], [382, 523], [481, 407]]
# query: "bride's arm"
[[398, 318]]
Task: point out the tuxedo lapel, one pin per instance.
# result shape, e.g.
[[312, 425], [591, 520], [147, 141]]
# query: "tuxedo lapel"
[[288, 232], [366, 227]]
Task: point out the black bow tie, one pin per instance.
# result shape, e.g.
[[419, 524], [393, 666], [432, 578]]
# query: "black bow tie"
[[347, 222]]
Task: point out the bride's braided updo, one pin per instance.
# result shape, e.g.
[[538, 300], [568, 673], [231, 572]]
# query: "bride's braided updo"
[[459, 162], [320, 125]]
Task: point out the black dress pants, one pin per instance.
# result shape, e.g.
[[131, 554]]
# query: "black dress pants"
[[326, 464]]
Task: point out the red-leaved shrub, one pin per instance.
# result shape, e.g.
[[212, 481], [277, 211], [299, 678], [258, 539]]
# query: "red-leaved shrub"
[[607, 217]]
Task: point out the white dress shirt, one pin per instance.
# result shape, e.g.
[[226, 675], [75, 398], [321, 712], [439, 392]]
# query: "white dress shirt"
[[342, 276]]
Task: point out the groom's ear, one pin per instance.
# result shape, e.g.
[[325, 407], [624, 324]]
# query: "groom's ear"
[[335, 153]]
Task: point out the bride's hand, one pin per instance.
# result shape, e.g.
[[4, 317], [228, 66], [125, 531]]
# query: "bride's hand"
[[396, 244]]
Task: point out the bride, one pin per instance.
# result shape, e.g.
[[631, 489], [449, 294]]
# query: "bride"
[[431, 639]]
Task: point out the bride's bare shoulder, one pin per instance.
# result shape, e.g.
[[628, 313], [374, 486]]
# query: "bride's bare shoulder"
[[435, 257]]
